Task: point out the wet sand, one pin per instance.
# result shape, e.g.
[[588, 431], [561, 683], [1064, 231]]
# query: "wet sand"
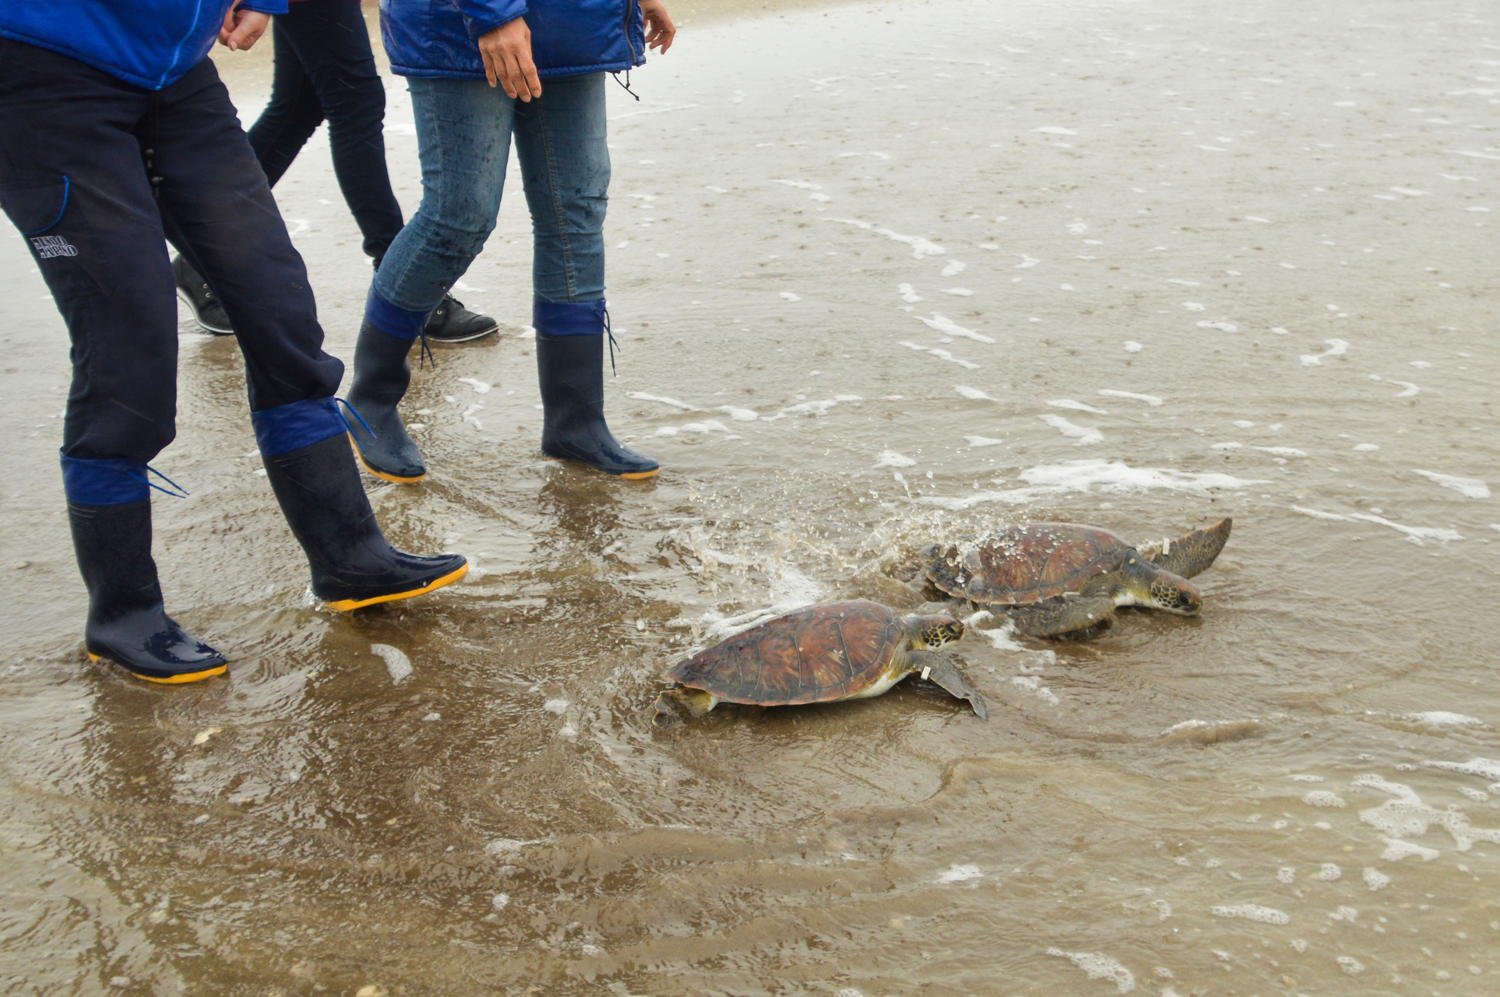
[[1138, 264]]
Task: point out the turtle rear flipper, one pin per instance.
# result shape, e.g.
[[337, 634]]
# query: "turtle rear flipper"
[[940, 671], [1191, 554], [1063, 615]]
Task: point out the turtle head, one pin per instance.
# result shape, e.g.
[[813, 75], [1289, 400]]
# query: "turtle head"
[[1175, 594], [930, 632]]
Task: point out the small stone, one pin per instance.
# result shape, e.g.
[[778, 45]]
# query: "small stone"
[[371, 990], [19, 566]]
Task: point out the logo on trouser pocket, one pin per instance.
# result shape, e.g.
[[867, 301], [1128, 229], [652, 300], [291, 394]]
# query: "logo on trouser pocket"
[[49, 246]]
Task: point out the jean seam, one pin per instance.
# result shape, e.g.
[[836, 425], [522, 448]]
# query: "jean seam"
[[570, 271], [434, 121]]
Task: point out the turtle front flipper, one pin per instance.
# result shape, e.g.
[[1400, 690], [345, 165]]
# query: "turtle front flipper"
[[1063, 615], [679, 701], [1191, 554], [941, 672]]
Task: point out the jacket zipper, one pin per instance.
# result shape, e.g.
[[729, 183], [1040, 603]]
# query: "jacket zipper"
[[629, 44], [177, 52]]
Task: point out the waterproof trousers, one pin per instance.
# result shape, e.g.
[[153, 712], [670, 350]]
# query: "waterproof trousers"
[[97, 174]]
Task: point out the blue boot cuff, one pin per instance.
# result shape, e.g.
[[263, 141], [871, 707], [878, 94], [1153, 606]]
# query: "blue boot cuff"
[[392, 319], [107, 481], [568, 318], [291, 427]]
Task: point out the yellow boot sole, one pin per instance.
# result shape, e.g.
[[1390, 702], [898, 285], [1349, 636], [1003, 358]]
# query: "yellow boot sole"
[[182, 679], [382, 474], [632, 476], [345, 605]]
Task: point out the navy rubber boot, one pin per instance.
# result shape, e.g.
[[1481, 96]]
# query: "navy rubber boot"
[[312, 472], [570, 370], [109, 511], [381, 376]]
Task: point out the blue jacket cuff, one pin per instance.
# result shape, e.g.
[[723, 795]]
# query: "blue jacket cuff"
[[265, 6], [483, 16]]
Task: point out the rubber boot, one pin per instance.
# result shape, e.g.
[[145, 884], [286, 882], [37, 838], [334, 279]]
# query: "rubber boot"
[[570, 371], [381, 376], [312, 471], [109, 510]]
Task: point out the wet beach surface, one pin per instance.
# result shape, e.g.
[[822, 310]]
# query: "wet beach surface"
[[881, 275]]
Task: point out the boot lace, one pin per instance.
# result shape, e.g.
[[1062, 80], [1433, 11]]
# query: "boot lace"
[[176, 490], [612, 344], [355, 412]]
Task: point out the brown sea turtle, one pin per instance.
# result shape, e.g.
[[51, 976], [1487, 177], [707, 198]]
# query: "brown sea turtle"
[[820, 654], [1057, 578]]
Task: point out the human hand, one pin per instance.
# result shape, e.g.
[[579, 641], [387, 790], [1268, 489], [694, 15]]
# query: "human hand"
[[506, 52], [242, 28], [659, 27]]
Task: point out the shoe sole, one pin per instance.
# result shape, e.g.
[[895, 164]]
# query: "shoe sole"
[[382, 475], [628, 476], [212, 330], [464, 339], [182, 679], [346, 605]]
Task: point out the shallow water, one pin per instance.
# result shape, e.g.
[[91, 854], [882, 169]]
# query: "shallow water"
[[880, 276]]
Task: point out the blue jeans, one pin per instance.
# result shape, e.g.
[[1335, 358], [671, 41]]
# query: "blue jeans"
[[464, 130]]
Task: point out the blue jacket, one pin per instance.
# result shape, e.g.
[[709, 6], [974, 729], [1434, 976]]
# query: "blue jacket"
[[151, 43], [568, 37]]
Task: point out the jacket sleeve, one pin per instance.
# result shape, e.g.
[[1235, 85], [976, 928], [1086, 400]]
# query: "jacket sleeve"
[[483, 16], [265, 6]]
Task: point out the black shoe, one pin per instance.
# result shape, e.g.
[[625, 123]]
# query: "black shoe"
[[126, 622], [194, 291], [451, 322], [570, 371], [381, 375], [353, 565]]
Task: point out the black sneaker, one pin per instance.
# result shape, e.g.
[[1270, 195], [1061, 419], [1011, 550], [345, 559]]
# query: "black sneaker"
[[194, 291], [451, 322]]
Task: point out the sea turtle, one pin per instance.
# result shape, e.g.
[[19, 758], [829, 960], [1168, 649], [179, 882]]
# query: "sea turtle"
[[819, 654], [1057, 578]]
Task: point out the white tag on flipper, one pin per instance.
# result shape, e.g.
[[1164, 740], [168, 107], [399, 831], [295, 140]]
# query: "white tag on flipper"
[[926, 671]]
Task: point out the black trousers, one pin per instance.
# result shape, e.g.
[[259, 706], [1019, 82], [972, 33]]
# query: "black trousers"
[[97, 174], [325, 70]]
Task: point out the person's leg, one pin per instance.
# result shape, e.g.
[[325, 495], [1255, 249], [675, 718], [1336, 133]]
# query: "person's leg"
[[463, 137], [215, 203], [330, 45], [564, 155], [294, 110], [290, 117], [218, 210], [73, 180]]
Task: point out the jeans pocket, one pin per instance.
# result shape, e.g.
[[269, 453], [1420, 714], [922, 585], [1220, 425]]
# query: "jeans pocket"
[[36, 205]]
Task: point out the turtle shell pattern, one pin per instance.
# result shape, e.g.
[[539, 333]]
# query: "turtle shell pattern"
[[814, 655], [1024, 564]]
